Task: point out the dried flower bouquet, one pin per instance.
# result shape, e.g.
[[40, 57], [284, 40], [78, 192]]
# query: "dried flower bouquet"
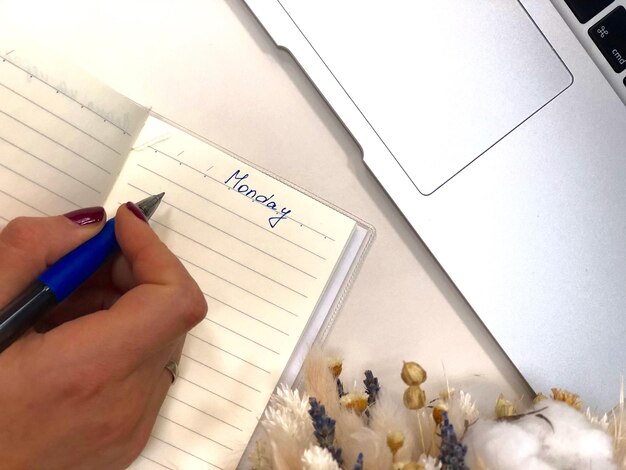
[[327, 427]]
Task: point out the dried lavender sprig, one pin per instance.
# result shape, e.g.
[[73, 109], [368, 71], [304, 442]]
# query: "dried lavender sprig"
[[358, 465], [323, 424], [340, 391], [371, 387], [324, 429], [452, 452]]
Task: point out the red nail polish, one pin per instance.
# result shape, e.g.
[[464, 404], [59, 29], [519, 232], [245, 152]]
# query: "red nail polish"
[[87, 215], [135, 210]]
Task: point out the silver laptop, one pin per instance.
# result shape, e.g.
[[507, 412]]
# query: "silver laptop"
[[498, 128]]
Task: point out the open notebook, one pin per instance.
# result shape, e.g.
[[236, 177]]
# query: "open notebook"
[[272, 261]]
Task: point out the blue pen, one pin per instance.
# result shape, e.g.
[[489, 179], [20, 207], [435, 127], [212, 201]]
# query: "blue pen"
[[62, 278]]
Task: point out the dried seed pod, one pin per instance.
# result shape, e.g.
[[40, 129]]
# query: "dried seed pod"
[[414, 397], [504, 407], [413, 374], [335, 364], [438, 413], [395, 440]]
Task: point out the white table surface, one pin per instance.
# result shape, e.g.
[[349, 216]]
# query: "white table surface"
[[209, 66]]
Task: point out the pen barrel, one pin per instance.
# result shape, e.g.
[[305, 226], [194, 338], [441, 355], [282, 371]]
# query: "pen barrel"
[[75, 268], [24, 311]]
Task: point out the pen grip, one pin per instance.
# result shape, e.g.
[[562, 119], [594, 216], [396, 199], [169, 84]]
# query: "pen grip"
[[64, 276]]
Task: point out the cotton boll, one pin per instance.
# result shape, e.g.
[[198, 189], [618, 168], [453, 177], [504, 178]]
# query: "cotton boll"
[[555, 437], [503, 445], [574, 442]]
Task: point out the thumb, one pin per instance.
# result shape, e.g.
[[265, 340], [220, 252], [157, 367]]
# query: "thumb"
[[28, 245]]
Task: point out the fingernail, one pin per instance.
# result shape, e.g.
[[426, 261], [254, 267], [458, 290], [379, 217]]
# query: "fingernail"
[[86, 216], [135, 210]]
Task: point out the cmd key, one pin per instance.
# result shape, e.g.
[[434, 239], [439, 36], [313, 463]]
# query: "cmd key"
[[609, 34]]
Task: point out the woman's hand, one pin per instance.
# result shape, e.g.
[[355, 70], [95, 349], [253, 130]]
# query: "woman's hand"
[[86, 392]]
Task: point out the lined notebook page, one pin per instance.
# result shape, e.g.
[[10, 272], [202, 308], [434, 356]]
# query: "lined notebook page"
[[261, 271], [63, 136]]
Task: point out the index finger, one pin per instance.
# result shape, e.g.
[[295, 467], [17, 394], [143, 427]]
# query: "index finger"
[[166, 303]]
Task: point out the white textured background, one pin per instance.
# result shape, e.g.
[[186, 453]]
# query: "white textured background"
[[210, 67]]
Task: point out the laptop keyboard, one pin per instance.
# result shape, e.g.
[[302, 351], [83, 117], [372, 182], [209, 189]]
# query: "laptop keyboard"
[[609, 34], [584, 10]]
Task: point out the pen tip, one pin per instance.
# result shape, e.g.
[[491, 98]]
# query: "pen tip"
[[150, 204]]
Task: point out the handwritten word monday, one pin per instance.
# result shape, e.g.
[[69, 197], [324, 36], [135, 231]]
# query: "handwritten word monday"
[[236, 182]]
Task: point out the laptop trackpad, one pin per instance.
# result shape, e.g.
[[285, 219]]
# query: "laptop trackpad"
[[440, 81]]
